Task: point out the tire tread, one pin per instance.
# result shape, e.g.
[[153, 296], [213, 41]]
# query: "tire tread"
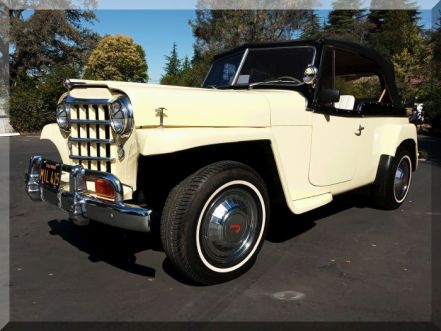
[[175, 211]]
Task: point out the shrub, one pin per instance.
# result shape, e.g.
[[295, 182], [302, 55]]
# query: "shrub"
[[432, 105], [33, 101], [28, 110]]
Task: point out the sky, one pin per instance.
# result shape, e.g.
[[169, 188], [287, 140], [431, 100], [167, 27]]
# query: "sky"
[[156, 30]]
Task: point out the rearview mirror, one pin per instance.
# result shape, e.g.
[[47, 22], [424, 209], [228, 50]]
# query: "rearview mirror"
[[326, 96]]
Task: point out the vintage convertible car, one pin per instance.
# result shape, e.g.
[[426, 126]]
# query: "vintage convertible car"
[[294, 123]]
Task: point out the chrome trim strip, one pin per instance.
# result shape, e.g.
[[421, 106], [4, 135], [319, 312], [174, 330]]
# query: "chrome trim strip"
[[79, 101], [91, 158], [91, 140], [239, 69], [102, 122]]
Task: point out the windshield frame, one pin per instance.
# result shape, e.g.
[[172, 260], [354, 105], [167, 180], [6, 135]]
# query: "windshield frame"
[[244, 58]]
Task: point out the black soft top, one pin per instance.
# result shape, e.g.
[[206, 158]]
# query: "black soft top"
[[385, 66]]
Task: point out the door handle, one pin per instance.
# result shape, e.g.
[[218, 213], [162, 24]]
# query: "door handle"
[[359, 131]]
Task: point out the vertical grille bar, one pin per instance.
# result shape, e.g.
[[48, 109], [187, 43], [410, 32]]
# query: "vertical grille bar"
[[87, 109], [98, 129], [102, 134], [75, 132], [107, 117], [92, 137], [79, 132]]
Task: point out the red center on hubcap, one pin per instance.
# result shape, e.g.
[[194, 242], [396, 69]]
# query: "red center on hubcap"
[[235, 227]]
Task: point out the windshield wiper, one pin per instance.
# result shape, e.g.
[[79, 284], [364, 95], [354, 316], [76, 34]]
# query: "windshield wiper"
[[279, 81]]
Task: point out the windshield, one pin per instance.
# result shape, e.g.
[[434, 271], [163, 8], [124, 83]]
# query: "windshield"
[[261, 65], [223, 71]]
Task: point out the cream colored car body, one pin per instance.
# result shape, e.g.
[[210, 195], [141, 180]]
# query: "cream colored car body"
[[317, 156]]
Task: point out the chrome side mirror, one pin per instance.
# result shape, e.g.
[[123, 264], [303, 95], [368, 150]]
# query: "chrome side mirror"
[[310, 75]]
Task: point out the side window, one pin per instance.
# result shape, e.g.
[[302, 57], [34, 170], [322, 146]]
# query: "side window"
[[358, 81], [366, 86]]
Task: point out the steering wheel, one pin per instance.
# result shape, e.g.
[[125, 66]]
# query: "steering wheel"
[[298, 81]]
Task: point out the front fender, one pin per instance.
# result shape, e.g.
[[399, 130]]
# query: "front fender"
[[52, 133], [168, 140]]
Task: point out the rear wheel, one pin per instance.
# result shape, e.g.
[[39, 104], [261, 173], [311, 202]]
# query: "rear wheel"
[[393, 190], [214, 222]]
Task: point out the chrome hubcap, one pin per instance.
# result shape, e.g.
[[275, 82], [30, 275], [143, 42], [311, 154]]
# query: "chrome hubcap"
[[230, 226], [402, 179]]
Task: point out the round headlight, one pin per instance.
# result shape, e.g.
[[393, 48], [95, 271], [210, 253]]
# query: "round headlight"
[[121, 116], [63, 117]]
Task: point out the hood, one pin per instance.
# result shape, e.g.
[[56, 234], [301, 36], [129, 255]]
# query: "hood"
[[184, 107]]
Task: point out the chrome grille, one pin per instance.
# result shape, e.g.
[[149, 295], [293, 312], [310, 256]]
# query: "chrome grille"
[[91, 136]]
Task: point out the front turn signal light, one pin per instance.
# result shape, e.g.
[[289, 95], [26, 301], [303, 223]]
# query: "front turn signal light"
[[104, 188]]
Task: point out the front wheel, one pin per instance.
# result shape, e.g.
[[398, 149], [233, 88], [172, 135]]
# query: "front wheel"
[[214, 222]]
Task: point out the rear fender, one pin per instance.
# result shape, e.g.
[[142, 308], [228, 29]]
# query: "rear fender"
[[387, 138]]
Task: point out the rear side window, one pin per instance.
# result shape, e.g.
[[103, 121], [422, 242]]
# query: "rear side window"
[[356, 77], [359, 77], [365, 86]]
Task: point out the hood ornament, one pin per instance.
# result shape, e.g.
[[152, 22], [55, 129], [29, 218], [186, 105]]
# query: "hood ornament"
[[160, 112]]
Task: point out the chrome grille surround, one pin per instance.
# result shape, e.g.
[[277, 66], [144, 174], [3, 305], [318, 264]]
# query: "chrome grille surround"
[[91, 140]]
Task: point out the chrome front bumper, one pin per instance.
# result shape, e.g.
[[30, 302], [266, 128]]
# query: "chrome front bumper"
[[83, 207]]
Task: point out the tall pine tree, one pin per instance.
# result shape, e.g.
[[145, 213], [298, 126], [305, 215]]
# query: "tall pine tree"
[[436, 41], [393, 31], [312, 29], [347, 21], [173, 68]]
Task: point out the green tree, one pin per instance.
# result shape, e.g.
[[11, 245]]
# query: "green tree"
[[435, 39], [349, 23], [117, 58], [183, 72], [46, 47], [195, 74], [173, 68], [431, 97], [4, 49], [217, 30], [49, 38], [392, 31], [186, 64], [396, 35], [33, 101], [312, 29], [413, 69]]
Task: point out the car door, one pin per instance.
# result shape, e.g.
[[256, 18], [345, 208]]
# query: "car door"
[[336, 144], [337, 132]]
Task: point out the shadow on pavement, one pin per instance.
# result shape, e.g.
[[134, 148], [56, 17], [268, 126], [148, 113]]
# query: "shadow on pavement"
[[285, 225], [110, 245], [119, 247]]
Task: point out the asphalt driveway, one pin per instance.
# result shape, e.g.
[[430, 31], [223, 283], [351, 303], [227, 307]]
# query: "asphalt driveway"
[[344, 262]]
